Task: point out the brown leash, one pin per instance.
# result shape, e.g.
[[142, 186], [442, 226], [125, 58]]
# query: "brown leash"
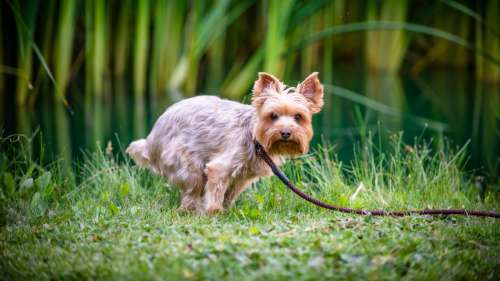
[[433, 212]]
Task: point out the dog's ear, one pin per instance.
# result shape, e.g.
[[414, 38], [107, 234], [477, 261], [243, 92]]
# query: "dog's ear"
[[263, 86], [312, 90]]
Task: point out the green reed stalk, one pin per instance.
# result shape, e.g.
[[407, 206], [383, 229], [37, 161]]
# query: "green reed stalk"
[[63, 140], [204, 29], [443, 52], [277, 19], [121, 110], [334, 112], [372, 44], [121, 41], [167, 40], [241, 76], [174, 31], [24, 124], [196, 20], [491, 72], [332, 15], [160, 42], [89, 51], [64, 43], [303, 17], [489, 136], [41, 84], [25, 26], [2, 81], [99, 46], [141, 42], [385, 50], [386, 89], [215, 73], [309, 55]]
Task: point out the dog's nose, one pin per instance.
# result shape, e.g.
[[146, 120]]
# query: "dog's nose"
[[285, 133]]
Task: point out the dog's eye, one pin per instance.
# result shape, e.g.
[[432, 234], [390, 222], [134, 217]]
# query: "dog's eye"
[[297, 117], [274, 116]]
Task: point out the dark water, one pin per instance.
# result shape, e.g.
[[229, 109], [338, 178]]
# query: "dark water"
[[435, 105]]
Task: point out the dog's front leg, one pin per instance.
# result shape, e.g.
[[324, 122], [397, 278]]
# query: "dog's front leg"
[[218, 179]]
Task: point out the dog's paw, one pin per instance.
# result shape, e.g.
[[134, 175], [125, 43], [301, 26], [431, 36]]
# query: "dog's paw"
[[213, 209], [186, 210]]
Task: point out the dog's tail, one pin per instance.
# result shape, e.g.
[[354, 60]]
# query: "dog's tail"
[[138, 150]]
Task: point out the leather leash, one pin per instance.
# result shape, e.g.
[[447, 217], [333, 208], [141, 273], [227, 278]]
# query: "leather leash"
[[259, 150]]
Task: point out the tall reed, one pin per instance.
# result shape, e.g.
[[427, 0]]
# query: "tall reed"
[[2, 63], [242, 75], [332, 15], [25, 16], [385, 50], [99, 46], [443, 52], [168, 34], [141, 45], [122, 38], [174, 31], [277, 19], [42, 83], [89, 51], [159, 46], [490, 41], [204, 27], [63, 45]]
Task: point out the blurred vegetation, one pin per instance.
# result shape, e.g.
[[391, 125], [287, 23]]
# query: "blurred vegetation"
[[67, 53], [191, 46], [77, 73]]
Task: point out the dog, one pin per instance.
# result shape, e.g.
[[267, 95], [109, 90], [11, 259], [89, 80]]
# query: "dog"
[[205, 145]]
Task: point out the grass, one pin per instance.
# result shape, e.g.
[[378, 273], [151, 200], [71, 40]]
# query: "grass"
[[119, 222]]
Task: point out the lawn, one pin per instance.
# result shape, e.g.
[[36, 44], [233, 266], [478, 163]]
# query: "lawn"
[[112, 220]]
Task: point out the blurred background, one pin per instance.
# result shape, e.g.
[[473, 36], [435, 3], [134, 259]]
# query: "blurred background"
[[78, 74]]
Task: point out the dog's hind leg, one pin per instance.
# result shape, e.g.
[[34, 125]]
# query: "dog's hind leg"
[[218, 180], [191, 199]]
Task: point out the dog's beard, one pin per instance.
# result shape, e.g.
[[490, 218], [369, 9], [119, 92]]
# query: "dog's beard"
[[274, 144], [289, 147], [293, 146]]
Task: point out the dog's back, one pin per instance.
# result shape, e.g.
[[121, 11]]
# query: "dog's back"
[[189, 134]]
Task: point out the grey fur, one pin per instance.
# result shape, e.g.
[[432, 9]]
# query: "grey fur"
[[197, 132], [205, 145]]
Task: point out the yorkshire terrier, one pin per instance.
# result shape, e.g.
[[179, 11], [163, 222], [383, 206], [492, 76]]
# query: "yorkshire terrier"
[[206, 145]]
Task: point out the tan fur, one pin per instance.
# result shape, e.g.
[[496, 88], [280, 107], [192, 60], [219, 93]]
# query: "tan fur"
[[205, 145]]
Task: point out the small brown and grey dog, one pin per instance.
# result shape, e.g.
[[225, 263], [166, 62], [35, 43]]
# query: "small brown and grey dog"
[[205, 145]]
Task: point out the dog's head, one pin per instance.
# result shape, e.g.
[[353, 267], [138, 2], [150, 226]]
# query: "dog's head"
[[285, 113]]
